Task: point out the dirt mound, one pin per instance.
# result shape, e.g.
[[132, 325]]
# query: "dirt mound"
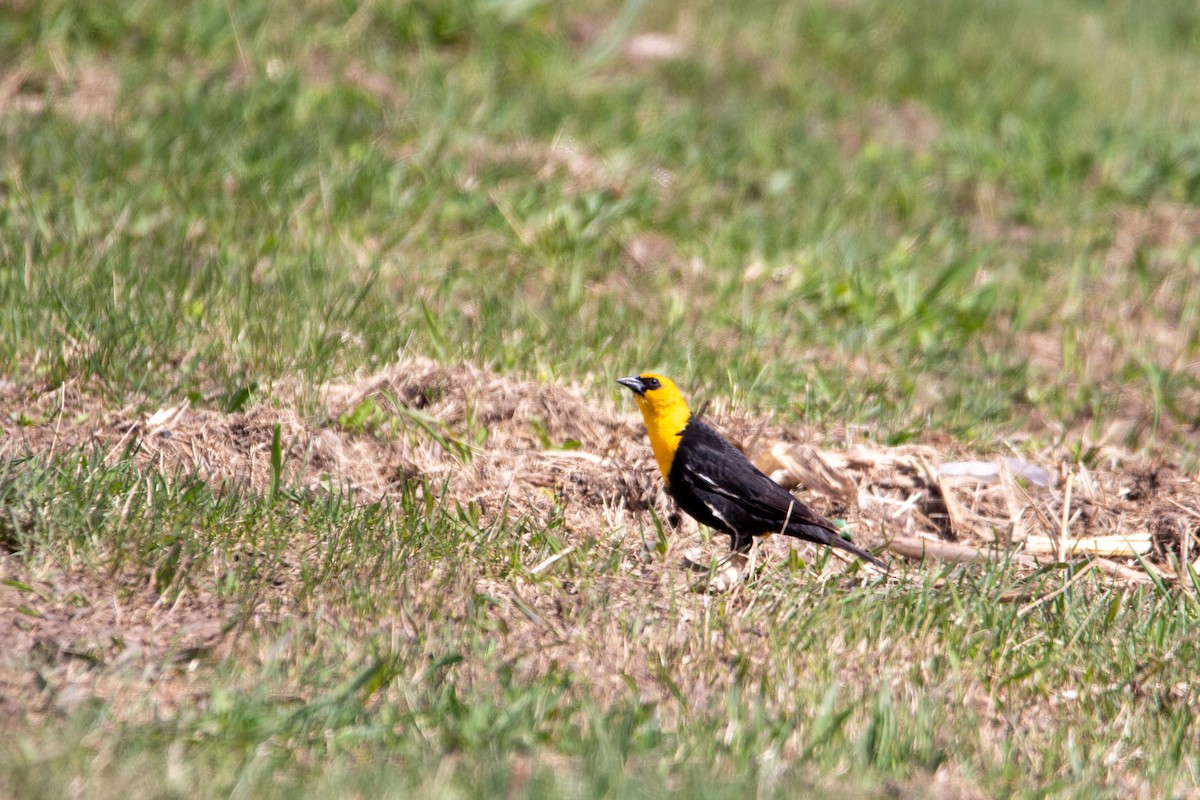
[[473, 434], [493, 441]]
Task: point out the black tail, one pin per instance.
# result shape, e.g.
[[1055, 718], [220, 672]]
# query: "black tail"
[[813, 533]]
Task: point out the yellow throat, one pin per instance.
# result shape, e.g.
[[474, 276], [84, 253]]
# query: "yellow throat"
[[666, 414]]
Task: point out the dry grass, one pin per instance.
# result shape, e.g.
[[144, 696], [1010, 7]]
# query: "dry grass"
[[547, 441], [84, 92], [490, 439]]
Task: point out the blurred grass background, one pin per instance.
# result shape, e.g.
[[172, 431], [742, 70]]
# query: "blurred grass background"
[[973, 217], [976, 218]]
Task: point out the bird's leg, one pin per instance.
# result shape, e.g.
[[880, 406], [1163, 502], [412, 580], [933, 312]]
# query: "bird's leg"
[[726, 573], [735, 569], [740, 543]]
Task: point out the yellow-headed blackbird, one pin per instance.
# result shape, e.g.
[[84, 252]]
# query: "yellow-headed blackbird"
[[714, 483]]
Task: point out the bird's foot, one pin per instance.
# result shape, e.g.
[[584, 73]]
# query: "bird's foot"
[[722, 574]]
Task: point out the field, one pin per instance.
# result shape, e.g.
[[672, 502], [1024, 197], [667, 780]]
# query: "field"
[[314, 476]]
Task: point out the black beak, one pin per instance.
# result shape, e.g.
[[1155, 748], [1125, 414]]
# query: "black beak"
[[633, 383]]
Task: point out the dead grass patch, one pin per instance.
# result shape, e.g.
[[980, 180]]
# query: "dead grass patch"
[[319, 68], [489, 439], [1171, 229], [907, 126], [124, 645], [84, 92], [636, 49], [580, 169]]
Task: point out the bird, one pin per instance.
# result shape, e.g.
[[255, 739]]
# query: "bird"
[[714, 483]]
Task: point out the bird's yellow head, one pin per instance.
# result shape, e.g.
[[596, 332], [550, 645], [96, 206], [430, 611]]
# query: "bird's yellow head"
[[665, 412]]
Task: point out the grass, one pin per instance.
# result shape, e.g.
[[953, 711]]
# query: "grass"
[[264, 165], [976, 218], [797, 685]]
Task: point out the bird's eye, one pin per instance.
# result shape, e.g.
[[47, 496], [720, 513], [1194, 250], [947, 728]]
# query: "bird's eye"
[[651, 383]]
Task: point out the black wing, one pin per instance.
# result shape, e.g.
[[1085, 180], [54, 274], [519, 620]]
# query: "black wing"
[[713, 482]]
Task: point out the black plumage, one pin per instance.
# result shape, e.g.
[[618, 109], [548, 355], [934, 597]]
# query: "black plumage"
[[713, 482]]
